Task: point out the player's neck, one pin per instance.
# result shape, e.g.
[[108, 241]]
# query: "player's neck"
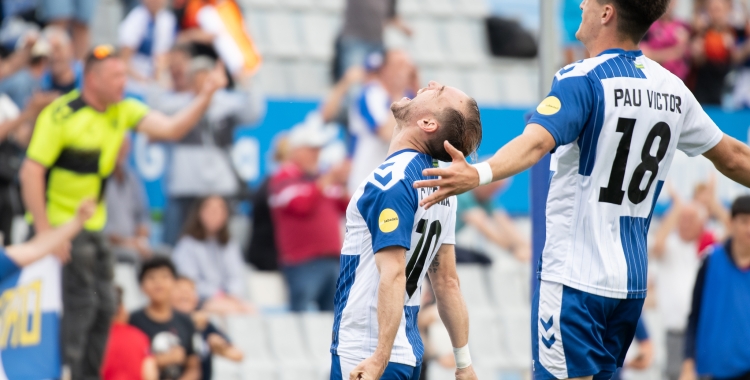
[[596, 48], [402, 140], [92, 101]]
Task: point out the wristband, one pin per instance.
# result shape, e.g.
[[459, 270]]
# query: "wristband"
[[485, 173], [463, 358]]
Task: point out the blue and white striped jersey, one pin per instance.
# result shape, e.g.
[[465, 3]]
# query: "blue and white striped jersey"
[[617, 120], [384, 212]]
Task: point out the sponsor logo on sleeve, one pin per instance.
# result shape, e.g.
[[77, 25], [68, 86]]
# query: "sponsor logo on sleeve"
[[388, 221], [549, 106]]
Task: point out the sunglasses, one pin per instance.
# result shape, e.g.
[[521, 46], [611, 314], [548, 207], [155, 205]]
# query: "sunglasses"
[[103, 51]]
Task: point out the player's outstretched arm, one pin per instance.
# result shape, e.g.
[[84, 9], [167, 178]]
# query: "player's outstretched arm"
[[391, 263], [158, 126], [732, 158], [452, 308], [518, 155], [45, 242]]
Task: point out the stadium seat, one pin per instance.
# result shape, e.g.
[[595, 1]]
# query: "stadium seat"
[[253, 4], [485, 340], [472, 8], [484, 86], [249, 334], [226, 369], [286, 342], [255, 23], [296, 4], [440, 8], [334, 6], [409, 7], [267, 290], [426, 46], [515, 330], [127, 279], [309, 79], [255, 372], [449, 77], [272, 78], [466, 41], [474, 288], [319, 35], [317, 329], [107, 13], [283, 34], [519, 87], [509, 288]]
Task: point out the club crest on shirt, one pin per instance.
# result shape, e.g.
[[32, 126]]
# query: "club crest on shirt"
[[388, 221]]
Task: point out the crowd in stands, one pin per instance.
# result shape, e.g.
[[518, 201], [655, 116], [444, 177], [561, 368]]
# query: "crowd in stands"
[[710, 51], [190, 67]]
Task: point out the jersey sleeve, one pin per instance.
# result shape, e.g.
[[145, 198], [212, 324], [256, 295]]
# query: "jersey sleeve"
[[699, 133], [389, 214], [7, 266], [46, 142], [566, 109], [135, 111], [374, 106]]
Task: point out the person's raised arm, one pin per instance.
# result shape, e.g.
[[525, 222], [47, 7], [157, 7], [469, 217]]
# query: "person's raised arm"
[[158, 126], [391, 263], [668, 224], [732, 158], [518, 155], [331, 106], [451, 307], [44, 243]]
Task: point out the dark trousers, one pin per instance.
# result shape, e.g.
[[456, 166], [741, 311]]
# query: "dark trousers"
[[175, 214], [313, 281], [88, 304], [9, 207]]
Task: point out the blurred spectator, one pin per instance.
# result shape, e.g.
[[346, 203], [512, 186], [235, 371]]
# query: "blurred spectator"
[[643, 351], [676, 248], [20, 57], [220, 25], [170, 332], [719, 325], [741, 95], [475, 209], [128, 217], [362, 33], [146, 35], [13, 124], [206, 255], [705, 194], [667, 42], [307, 209], [371, 121], [128, 353], [65, 72], [714, 50], [73, 15], [21, 85], [73, 150], [435, 337], [201, 164], [262, 252], [209, 340]]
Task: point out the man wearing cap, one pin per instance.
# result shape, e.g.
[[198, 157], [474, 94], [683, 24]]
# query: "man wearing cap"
[[306, 209], [718, 332], [371, 122], [72, 154]]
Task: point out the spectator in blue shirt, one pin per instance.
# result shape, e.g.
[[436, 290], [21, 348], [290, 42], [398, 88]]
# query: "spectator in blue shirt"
[[718, 329], [65, 73]]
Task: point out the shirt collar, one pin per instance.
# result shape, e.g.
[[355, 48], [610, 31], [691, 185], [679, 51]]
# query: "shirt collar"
[[629, 53]]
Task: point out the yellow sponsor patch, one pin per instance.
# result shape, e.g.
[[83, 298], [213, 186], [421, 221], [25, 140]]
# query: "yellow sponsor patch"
[[388, 221], [639, 66], [549, 106]]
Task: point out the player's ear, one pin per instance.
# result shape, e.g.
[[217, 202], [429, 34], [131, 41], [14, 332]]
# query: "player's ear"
[[608, 14], [428, 124]]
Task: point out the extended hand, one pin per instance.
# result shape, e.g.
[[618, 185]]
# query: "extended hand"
[[217, 79], [466, 373], [370, 369], [456, 179]]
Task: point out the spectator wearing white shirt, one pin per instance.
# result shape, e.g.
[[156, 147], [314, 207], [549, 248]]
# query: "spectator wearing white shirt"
[[146, 36], [371, 121]]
